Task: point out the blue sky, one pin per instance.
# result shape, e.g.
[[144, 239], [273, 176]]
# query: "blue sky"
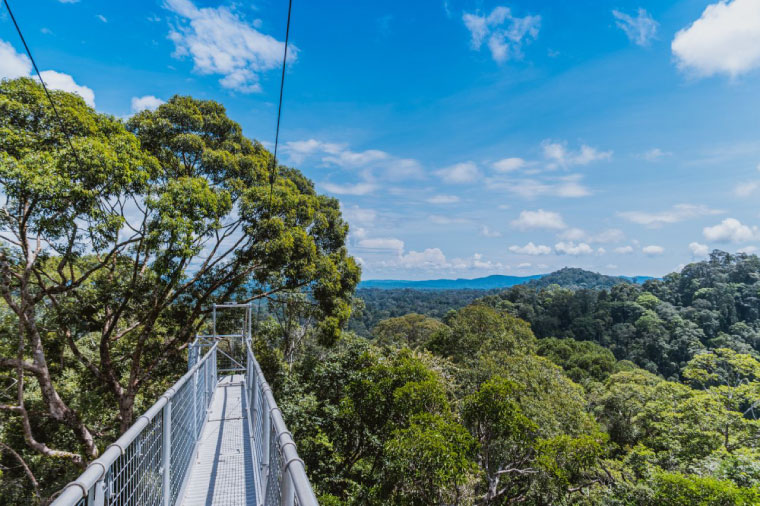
[[463, 138]]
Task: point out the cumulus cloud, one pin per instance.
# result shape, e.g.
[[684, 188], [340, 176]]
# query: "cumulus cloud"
[[724, 40], [508, 164], [431, 257], [148, 102], [14, 65], [560, 156], [539, 219], [698, 250], [531, 249], [465, 172], [503, 33], [570, 248], [730, 230], [64, 82], [624, 250], [349, 189], [653, 250], [487, 232], [220, 42], [379, 243], [640, 30], [373, 161], [443, 199], [746, 188], [677, 213]]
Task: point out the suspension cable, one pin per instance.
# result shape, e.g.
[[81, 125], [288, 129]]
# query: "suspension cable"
[[273, 172], [44, 87]]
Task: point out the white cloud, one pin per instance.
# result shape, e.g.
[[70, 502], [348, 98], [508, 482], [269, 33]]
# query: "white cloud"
[[623, 250], [429, 258], [573, 234], [539, 219], [559, 156], [64, 82], [487, 232], [570, 248], [531, 249], [391, 244], [362, 216], [13, 64], [699, 250], [654, 154], [653, 250], [747, 250], [69, 1], [102, 18], [464, 172], [565, 187], [350, 189], [503, 33], [220, 42], [679, 212], [724, 40], [730, 230], [508, 164], [746, 189], [443, 199], [640, 30], [147, 102], [374, 161], [611, 235]]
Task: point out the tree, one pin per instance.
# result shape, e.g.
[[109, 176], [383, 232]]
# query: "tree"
[[113, 252]]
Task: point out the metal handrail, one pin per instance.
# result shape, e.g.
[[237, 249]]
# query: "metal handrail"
[[282, 475], [91, 487]]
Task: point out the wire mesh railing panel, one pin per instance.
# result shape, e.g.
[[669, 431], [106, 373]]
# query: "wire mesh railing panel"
[[135, 477], [231, 355], [183, 436], [274, 480]]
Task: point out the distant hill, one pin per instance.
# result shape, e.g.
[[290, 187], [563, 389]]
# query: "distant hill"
[[576, 279], [568, 277], [487, 283]]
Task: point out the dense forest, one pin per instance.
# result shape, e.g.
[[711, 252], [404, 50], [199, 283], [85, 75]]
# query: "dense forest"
[[640, 394], [116, 243]]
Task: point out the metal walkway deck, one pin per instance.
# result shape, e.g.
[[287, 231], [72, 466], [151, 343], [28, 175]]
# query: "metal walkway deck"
[[222, 473]]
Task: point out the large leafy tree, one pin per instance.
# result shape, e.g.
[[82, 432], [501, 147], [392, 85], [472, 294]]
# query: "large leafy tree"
[[115, 246]]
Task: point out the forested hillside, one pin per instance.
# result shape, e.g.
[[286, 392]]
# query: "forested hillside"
[[640, 394], [575, 278]]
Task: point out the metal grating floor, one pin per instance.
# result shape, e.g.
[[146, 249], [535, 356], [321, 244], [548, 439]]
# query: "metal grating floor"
[[222, 473]]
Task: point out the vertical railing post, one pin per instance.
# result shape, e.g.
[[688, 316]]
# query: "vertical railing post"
[[195, 406], [166, 442], [266, 434], [288, 492]]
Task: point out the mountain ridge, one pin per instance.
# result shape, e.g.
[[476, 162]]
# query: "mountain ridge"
[[569, 277]]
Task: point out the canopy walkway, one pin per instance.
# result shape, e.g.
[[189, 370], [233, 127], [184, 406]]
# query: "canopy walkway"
[[216, 437]]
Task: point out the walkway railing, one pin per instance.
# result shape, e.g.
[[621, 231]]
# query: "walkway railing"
[[283, 479], [148, 464]]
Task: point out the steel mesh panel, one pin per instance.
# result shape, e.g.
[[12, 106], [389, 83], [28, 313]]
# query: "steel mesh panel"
[[135, 477], [183, 436], [274, 487]]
